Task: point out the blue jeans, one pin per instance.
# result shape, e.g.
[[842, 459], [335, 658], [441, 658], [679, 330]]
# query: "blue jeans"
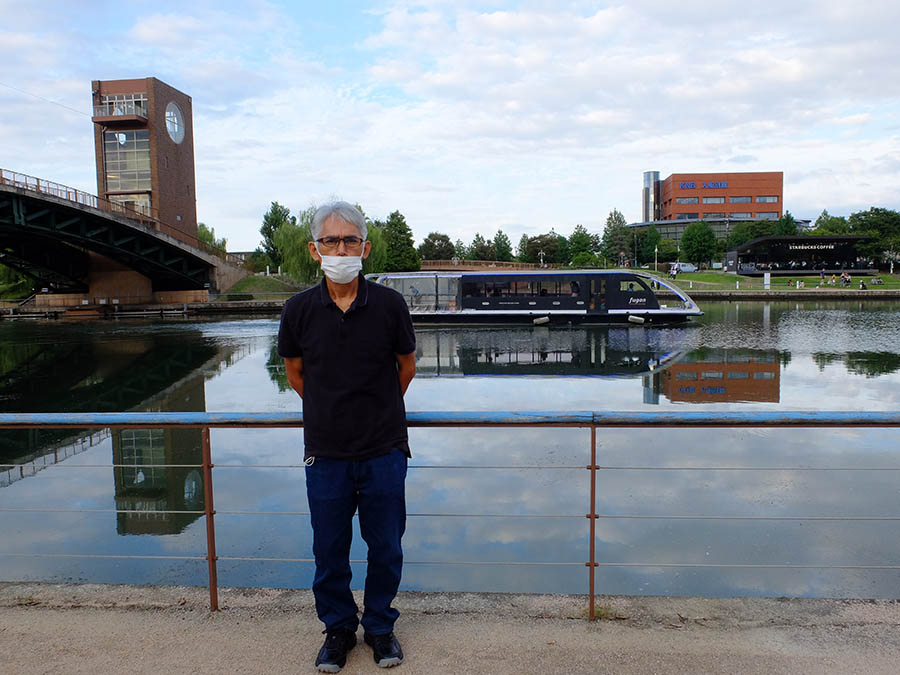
[[335, 489]]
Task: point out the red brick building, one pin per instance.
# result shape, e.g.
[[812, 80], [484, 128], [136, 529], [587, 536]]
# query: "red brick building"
[[144, 146], [753, 195]]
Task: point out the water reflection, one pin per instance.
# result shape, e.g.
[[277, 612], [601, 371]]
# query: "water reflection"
[[154, 470], [802, 355]]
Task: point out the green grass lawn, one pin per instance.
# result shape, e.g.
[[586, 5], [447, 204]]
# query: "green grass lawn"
[[714, 281], [261, 288]]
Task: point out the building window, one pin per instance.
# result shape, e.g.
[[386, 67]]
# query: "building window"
[[738, 375], [713, 215], [740, 214], [714, 200], [127, 158], [769, 199], [685, 200], [685, 376], [711, 375], [686, 216], [740, 200], [763, 376], [767, 215], [139, 202], [122, 104]]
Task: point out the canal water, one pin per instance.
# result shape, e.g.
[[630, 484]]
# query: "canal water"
[[707, 512]]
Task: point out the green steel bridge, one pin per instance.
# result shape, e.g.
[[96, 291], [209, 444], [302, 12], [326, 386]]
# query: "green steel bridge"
[[47, 231]]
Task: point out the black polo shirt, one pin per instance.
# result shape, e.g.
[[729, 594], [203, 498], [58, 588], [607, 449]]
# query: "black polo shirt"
[[352, 403]]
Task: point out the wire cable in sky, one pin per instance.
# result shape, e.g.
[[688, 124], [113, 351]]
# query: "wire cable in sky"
[[28, 93]]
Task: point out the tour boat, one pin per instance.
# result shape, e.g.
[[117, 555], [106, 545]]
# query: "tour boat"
[[540, 297]]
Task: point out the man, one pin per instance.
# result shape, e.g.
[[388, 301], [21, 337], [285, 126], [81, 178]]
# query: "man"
[[349, 350]]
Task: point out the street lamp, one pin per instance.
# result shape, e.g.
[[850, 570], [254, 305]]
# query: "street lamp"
[[655, 256]]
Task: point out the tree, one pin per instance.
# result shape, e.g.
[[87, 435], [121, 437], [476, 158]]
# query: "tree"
[[616, 238], [543, 247], [481, 249], [786, 226], [292, 242], [881, 224], [401, 253], [698, 242], [377, 260], [436, 246], [462, 251], [584, 259], [826, 224], [522, 249], [272, 220], [580, 242], [13, 284], [207, 235], [502, 247], [668, 251], [258, 261], [649, 244]]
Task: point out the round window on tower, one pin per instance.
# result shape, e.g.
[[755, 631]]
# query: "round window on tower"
[[175, 122]]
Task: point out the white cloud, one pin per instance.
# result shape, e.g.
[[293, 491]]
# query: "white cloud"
[[469, 117]]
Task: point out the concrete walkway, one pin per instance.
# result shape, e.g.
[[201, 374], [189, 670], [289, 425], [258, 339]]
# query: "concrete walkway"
[[48, 628]]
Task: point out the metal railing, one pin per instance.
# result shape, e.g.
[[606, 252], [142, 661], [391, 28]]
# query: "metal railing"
[[118, 108], [588, 420], [143, 215]]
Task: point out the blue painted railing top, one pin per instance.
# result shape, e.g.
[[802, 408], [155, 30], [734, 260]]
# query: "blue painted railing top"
[[469, 418]]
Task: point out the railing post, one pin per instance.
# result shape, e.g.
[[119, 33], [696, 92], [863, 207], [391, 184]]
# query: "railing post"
[[592, 516], [210, 523]]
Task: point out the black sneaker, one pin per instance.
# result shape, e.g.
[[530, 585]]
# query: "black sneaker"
[[385, 649], [333, 654]]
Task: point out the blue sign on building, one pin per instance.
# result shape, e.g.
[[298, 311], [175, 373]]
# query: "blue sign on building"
[[716, 184], [685, 186]]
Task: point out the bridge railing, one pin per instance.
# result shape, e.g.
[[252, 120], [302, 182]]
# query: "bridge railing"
[[585, 420], [142, 214]]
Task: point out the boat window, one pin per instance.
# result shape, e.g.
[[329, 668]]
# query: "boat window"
[[521, 288], [631, 286], [472, 289], [548, 288], [497, 289]]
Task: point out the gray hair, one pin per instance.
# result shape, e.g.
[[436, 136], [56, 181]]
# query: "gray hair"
[[342, 211]]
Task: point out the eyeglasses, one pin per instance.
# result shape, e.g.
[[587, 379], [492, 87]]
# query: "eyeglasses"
[[351, 243]]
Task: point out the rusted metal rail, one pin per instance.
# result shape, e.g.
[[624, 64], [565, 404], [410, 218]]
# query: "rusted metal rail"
[[580, 419]]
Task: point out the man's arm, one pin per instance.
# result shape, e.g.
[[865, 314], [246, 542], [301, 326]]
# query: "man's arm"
[[406, 370], [294, 368]]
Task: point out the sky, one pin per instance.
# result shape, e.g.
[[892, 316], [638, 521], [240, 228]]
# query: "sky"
[[469, 117]]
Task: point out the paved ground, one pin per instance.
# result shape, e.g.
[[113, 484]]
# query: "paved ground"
[[47, 628]]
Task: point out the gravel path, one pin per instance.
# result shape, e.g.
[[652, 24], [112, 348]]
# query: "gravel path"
[[91, 629]]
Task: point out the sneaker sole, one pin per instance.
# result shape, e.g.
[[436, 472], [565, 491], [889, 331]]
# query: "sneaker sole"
[[328, 668], [389, 663]]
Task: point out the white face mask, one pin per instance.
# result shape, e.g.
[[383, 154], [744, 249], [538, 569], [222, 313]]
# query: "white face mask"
[[341, 269]]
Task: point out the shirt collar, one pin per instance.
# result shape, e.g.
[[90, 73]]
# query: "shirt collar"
[[362, 293]]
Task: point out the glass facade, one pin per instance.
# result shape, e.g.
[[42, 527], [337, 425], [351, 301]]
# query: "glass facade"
[[126, 157]]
